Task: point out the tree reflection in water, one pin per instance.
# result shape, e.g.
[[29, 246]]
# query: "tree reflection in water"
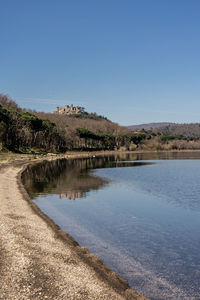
[[71, 178]]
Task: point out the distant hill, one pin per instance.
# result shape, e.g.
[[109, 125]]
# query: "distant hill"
[[191, 130], [187, 130], [149, 126]]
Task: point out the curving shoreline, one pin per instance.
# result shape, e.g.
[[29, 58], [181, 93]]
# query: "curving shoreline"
[[48, 261]]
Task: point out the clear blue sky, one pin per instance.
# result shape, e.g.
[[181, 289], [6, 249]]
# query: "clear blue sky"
[[134, 61]]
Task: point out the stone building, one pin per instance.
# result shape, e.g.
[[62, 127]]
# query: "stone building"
[[69, 110]]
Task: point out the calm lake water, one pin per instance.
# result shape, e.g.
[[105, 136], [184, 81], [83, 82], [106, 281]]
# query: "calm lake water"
[[139, 213]]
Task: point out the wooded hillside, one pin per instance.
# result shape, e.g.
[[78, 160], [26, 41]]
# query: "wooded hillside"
[[31, 131], [20, 130], [191, 130], [28, 131]]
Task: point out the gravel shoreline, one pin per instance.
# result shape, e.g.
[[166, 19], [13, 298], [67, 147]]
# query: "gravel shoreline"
[[40, 261]]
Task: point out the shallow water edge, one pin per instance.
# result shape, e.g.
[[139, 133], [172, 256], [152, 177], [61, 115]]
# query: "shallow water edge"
[[114, 280]]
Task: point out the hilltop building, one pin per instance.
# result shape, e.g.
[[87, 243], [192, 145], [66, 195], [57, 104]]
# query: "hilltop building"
[[69, 110]]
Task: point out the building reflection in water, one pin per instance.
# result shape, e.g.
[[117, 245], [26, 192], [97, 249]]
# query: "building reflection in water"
[[72, 195]]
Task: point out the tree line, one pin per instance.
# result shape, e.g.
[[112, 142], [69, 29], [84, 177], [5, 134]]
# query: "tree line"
[[21, 131]]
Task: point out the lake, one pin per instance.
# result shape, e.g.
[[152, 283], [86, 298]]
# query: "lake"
[[140, 213]]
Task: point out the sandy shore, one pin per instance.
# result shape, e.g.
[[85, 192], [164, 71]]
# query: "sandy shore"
[[40, 261]]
